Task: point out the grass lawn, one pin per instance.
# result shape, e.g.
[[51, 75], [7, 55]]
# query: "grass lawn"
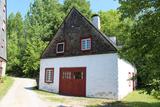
[[139, 99], [135, 99], [7, 83]]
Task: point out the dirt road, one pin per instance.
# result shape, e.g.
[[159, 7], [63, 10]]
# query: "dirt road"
[[22, 95]]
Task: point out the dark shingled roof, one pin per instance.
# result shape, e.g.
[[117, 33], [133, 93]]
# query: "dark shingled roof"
[[74, 27]]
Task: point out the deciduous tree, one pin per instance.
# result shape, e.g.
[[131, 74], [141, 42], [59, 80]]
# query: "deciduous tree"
[[143, 46]]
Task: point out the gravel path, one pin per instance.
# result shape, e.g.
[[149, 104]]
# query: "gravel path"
[[21, 95]]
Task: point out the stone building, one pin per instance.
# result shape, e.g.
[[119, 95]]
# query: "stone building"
[[81, 61], [3, 51]]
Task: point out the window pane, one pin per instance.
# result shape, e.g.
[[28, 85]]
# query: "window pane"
[[60, 47], [49, 75], [66, 75], [86, 44], [78, 75]]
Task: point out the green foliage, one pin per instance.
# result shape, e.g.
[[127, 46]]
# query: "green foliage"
[[43, 19], [143, 46], [15, 43], [111, 25], [41, 23], [82, 5], [32, 57]]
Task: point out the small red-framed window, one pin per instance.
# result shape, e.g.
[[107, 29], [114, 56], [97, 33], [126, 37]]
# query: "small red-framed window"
[[49, 75], [86, 44], [60, 47]]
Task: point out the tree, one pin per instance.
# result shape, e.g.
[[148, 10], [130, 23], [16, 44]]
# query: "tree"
[[35, 46], [111, 25], [82, 5], [143, 46], [43, 19], [15, 43], [41, 23]]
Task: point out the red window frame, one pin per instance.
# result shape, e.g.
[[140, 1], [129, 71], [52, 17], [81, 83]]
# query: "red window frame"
[[52, 75], [81, 38]]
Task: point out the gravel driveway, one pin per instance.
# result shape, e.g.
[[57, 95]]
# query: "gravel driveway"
[[21, 95]]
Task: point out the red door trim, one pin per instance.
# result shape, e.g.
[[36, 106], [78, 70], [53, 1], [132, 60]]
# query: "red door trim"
[[73, 69]]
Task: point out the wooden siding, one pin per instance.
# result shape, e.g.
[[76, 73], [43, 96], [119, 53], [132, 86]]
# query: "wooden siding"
[[74, 27]]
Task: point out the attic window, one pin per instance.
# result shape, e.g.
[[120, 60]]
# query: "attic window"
[[86, 44], [60, 47]]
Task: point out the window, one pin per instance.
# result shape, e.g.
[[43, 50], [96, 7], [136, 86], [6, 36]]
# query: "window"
[[86, 44], [60, 47], [49, 74], [4, 26], [78, 75], [4, 8], [2, 43], [67, 75]]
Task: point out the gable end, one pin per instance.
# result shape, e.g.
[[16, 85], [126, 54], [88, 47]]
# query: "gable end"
[[74, 27]]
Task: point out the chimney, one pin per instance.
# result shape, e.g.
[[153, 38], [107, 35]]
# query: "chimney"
[[96, 21]]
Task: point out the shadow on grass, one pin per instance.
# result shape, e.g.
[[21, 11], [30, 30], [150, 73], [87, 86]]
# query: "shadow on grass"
[[127, 104]]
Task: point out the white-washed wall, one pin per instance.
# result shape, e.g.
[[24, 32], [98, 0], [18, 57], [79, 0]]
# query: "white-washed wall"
[[101, 73], [4, 68], [123, 75]]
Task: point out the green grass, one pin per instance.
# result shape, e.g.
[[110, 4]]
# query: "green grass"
[[5, 85], [139, 99], [135, 99]]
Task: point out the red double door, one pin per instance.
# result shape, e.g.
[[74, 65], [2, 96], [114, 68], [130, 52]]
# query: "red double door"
[[73, 81]]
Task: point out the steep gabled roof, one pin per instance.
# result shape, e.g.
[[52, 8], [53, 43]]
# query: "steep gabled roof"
[[74, 27]]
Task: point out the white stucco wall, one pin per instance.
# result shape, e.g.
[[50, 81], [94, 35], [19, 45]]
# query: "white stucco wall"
[[4, 68], [101, 74], [123, 83]]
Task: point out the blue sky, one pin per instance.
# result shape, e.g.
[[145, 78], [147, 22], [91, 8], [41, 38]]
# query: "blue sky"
[[96, 5]]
